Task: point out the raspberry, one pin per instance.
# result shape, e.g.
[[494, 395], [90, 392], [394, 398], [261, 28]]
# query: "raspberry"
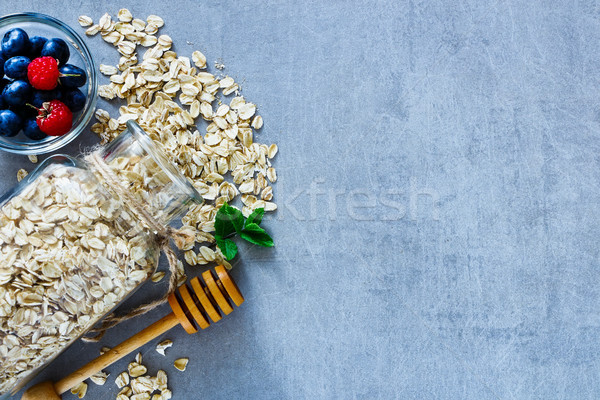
[[55, 118], [43, 73]]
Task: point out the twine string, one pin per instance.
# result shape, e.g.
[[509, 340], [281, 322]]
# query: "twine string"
[[164, 233]]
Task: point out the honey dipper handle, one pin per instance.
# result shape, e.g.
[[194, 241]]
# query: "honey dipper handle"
[[116, 353]]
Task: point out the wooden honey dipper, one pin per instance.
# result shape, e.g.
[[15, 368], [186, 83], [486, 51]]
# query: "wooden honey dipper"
[[191, 308]]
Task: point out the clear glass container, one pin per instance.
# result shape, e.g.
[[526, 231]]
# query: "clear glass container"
[[72, 251], [44, 25]]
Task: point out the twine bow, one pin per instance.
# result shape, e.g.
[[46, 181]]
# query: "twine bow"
[[181, 237]]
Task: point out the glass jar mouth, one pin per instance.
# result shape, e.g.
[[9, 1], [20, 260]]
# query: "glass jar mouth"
[[147, 144]]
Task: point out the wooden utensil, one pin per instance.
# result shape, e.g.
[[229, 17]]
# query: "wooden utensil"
[[191, 308]]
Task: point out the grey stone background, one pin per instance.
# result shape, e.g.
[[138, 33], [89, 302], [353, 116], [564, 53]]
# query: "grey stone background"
[[438, 191]]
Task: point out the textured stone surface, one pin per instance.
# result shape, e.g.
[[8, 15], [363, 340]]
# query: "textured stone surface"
[[449, 247]]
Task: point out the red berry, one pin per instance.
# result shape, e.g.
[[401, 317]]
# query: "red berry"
[[43, 73], [55, 118]]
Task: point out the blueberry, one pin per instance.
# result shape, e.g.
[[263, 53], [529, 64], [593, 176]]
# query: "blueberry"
[[74, 99], [3, 83], [10, 123], [58, 49], [77, 79], [39, 97], [32, 130], [15, 43], [16, 67], [2, 65], [36, 44], [17, 93], [24, 111]]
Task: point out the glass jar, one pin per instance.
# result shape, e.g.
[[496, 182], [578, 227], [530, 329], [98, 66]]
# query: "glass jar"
[[72, 251]]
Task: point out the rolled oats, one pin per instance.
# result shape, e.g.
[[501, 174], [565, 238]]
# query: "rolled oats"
[[84, 20], [181, 364]]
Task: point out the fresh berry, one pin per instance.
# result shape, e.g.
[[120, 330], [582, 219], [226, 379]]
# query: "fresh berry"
[[71, 76], [74, 99], [55, 118], [36, 43], [58, 49], [17, 93], [39, 97], [32, 130], [2, 65], [16, 67], [24, 111], [15, 43], [10, 123], [43, 73]]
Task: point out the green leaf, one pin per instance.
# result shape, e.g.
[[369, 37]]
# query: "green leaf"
[[257, 235], [228, 220], [228, 247], [256, 216]]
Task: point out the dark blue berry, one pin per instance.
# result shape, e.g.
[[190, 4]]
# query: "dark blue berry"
[[2, 65], [76, 79], [58, 49], [39, 97], [36, 43], [10, 123], [17, 93], [15, 43], [16, 67], [32, 130], [24, 111], [74, 99]]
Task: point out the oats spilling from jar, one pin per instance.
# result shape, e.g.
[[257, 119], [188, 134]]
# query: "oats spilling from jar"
[[70, 253], [168, 94]]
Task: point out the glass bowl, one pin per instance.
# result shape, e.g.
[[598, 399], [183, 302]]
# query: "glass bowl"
[[43, 25]]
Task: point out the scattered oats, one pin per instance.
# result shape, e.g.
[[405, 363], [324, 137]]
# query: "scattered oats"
[[272, 150], [33, 158], [246, 111], [80, 390], [92, 30], [138, 24], [136, 370], [21, 174], [108, 70], [124, 15], [99, 378], [181, 364], [226, 82], [158, 276], [148, 40], [140, 396], [165, 41], [106, 92], [105, 22], [271, 175], [155, 20], [199, 59], [162, 346], [257, 122], [230, 89], [84, 20], [122, 379], [151, 29]]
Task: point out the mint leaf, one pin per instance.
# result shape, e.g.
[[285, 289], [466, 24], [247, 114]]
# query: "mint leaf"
[[228, 247], [228, 220], [257, 235], [256, 216]]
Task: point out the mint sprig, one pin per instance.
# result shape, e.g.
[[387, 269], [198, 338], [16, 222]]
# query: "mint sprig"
[[230, 221]]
